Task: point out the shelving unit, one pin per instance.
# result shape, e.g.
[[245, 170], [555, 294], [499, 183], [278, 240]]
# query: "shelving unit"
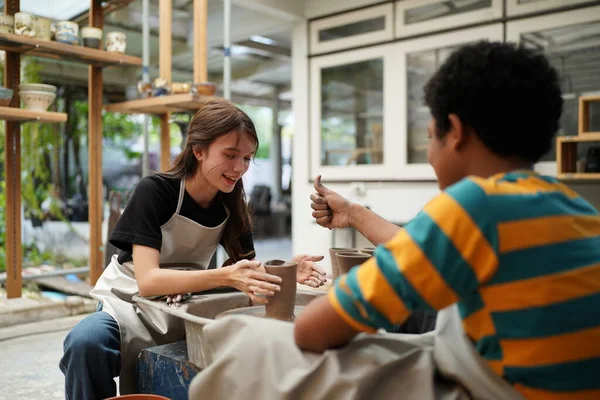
[[160, 105], [567, 157], [15, 46], [584, 114]]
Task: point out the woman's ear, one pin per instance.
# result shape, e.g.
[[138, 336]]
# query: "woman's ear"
[[198, 152]]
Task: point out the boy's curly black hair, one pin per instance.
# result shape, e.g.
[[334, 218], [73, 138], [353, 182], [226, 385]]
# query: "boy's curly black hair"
[[510, 96]]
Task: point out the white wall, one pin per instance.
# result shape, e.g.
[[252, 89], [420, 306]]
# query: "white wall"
[[318, 8]]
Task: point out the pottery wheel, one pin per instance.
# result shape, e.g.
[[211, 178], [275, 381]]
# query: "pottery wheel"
[[255, 311]]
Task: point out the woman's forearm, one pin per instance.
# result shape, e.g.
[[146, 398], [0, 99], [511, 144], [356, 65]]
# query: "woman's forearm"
[[164, 281], [375, 228]]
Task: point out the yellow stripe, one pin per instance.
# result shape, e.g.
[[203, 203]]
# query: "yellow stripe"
[[379, 293], [542, 291], [523, 234], [465, 235], [540, 394], [496, 366], [557, 349], [479, 325], [419, 271], [345, 316], [529, 185]]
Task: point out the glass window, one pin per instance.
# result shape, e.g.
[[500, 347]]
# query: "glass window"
[[420, 68], [352, 113], [443, 9], [575, 52], [353, 29]]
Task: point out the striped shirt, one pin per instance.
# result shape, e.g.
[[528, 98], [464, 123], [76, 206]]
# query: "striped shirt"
[[520, 254]]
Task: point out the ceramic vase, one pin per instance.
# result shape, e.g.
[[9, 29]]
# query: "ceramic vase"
[[41, 27], [348, 260], [92, 37], [67, 32], [116, 42], [24, 24], [281, 305], [335, 271]]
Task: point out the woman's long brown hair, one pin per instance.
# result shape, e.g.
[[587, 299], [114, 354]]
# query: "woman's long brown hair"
[[215, 119]]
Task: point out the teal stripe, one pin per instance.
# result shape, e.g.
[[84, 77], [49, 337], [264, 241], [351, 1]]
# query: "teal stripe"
[[546, 260], [470, 305], [566, 377], [489, 348], [347, 303], [566, 317], [516, 207], [388, 267], [378, 319], [443, 255]]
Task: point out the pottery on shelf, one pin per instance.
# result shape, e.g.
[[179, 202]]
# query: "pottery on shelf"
[[335, 271], [204, 88], [25, 24], [368, 250], [41, 27], [67, 32], [116, 42], [92, 37], [348, 260], [281, 305], [7, 23], [41, 87], [36, 100], [6, 95]]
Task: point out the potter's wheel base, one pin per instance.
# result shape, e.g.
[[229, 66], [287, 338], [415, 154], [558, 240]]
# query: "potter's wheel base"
[[255, 311]]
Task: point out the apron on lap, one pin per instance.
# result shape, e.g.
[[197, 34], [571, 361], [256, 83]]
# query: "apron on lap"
[[259, 356], [185, 245]]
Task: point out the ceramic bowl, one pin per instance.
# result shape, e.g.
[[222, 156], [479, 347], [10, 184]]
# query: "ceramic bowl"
[[40, 87], [36, 100], [204, 88], [5, 96]]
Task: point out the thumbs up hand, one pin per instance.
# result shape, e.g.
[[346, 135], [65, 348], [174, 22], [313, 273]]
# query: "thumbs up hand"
[[331, 210]]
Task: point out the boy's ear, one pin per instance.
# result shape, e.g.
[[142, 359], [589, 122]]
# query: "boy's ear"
[[458, 133]]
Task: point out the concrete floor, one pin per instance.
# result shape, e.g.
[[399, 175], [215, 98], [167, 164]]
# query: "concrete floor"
[[29, 353]]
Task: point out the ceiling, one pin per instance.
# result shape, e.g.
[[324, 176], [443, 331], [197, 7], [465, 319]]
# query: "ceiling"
[[261, 52]]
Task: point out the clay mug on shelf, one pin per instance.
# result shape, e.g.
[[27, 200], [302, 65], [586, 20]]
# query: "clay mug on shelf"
[[335, 271], [281, 305], [91, 37], [42, 26], [7, 23], [24, 24], [348, 260], [67, 32], [116, 42]]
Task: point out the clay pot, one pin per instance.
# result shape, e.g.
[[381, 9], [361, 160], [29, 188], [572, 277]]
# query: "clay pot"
[[281, 305], [348, 260], [139, 397], [335, 271], [368, 250]]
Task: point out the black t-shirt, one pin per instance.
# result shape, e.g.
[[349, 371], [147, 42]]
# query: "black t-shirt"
[[152, 204]]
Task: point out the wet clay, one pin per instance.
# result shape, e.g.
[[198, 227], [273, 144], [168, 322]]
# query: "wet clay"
[[368, 250], [281, 305], [255, 311], [335, 270], [347, 260]]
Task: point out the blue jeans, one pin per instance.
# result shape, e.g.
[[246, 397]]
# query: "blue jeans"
[[92, 358]]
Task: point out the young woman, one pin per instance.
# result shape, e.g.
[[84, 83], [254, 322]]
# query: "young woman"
[[168, 233]]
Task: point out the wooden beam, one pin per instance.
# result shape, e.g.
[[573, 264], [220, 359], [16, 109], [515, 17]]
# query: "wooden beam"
[[200, 12], [12, 159], [165, 45], [95, 156], [165, 142]]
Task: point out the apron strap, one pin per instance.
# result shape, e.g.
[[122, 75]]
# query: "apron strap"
[[181, 194]]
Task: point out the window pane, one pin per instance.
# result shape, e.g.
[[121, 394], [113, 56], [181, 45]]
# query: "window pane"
[[443, 9], [353, 29], [575, 52], [352, 113]]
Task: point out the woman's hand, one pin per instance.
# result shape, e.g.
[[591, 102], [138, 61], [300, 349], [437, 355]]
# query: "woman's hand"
[[309, 273], [247, 277]]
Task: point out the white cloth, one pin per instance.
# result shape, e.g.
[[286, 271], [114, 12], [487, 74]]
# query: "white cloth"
[[185, 245], [259, 357]]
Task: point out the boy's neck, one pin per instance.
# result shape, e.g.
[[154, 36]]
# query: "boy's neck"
[[490, 165]]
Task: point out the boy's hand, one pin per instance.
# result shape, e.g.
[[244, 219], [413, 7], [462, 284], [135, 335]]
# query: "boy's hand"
[[331, 210]]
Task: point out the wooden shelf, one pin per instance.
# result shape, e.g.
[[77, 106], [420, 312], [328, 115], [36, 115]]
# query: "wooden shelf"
[[580, 176], [61, 51], [21, 115], [586, 137], [161, 104]]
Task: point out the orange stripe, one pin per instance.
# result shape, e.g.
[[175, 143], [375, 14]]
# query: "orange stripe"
[[379, 293], [539, 394], [465, 235], [479, 325], [557, 349], [419, 271], [497, 366], [529, 185], [345, 316], [523, 234], [542, 291]]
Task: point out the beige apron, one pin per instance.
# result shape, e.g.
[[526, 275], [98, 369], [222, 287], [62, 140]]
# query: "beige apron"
[[258, 356], [185, 245]]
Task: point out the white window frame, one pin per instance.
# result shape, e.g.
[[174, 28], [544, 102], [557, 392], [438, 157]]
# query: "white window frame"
[[367, 172], [513, 7], [438, 24], [515, 29], [399, 112], [384, 10]]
